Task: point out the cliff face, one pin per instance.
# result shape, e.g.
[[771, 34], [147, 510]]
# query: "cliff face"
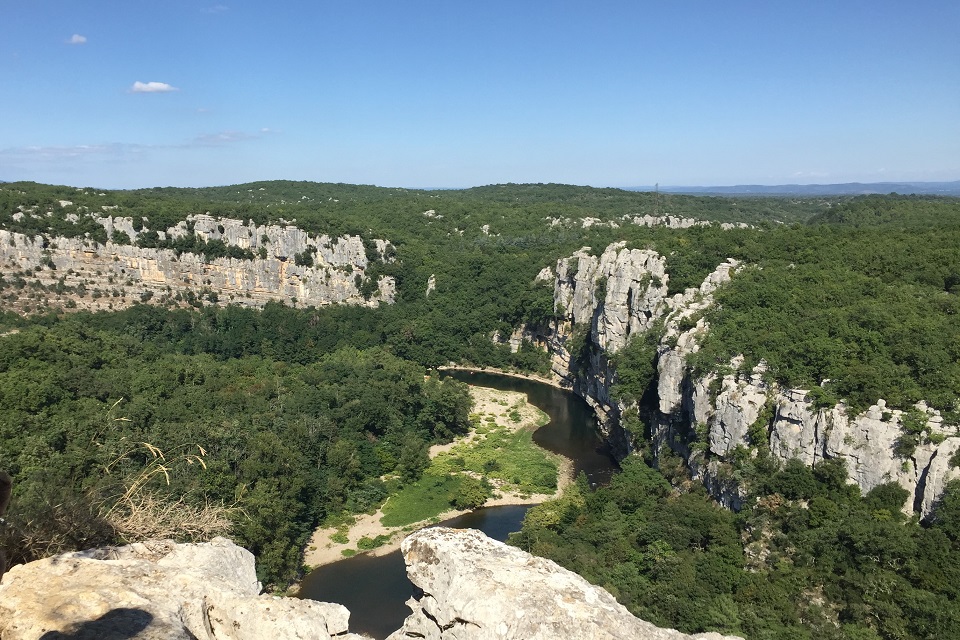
[[289, 265], [707, 419]]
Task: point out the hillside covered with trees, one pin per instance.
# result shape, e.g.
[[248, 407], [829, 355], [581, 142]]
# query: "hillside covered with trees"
[[286, 416]]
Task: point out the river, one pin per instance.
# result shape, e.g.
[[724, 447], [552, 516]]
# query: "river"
[[375, 588]]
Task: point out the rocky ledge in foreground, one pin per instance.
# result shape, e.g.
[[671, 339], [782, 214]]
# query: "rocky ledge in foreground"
[[157, 590], [475, 588]]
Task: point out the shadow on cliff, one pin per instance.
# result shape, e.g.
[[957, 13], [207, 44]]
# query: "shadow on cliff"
[[116, 624]]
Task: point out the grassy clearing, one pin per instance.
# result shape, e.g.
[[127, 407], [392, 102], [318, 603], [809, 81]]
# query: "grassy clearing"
[[430, 496], [509, 458], [497, 456]]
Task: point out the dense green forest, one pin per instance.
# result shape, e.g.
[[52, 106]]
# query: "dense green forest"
[[286, 443], [808, 559], [284, 417]]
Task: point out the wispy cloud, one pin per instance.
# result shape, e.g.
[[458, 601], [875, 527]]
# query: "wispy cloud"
[[71, 153], [809, 175], [219, 139], [217, 8], [31, 157], [77, 39], [152, 87]]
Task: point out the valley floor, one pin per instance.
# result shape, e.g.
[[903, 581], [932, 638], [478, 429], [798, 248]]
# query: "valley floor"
[[492, 406]]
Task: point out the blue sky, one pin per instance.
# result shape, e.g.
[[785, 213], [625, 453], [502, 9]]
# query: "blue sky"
[[128, 93]]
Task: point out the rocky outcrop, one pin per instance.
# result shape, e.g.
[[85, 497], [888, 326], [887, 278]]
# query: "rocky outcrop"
[[611, 297], [707, 428], [475, 588], [669, 222], [619, 293], [283, 263], [708, 418], [606, 300], [157, 590]]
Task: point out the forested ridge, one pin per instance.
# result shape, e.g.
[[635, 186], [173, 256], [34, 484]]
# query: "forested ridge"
[[303, 414]]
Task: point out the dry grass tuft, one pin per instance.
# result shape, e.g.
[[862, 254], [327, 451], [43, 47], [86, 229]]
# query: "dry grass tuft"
[[147, 515], [139, 512]]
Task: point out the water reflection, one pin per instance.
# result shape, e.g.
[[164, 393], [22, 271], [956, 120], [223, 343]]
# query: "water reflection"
[[572, 430], [375, 589]]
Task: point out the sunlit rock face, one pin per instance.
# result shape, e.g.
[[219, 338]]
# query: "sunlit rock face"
[[157, 590], [710, 416], [283, 264], [475, 588]]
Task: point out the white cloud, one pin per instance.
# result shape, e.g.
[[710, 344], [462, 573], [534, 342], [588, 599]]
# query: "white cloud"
[[151, 87], [219, 139], [217, 8], [77, 39]]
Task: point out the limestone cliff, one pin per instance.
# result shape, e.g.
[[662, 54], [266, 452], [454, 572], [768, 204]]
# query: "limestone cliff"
[[475, 588], [669, 222], [706, 419], [157, 590], [283, 263]]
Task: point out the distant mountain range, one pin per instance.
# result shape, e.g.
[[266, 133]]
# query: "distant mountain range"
[[845, 189], [841, 189]]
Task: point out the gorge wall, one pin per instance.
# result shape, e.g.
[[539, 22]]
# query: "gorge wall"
[[604, 300], [281, 263]]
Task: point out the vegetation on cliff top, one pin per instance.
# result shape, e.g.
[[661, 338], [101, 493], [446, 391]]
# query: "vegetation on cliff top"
[[301, 411]]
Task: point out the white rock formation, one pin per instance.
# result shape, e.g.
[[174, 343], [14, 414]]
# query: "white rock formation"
[[623, 292], [339, 264], [475, 588], [157, 590], [624, 288]]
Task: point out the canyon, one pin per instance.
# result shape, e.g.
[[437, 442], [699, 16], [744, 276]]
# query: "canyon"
[[709, 419]]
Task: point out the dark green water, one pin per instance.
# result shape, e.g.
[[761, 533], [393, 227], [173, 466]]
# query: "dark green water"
[[375, 589]]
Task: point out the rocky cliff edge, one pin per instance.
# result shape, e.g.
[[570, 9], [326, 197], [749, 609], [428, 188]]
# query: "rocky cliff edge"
[[157, 590], [480, 589], [474, 588], [284, 263]]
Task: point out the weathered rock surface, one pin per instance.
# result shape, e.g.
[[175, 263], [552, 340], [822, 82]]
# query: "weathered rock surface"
[[618, 293], [706, 419], [475, 588], [330, 270], [156, 590], [670, 222]]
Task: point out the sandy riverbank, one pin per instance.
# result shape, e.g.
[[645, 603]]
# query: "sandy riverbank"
[[323, 550]]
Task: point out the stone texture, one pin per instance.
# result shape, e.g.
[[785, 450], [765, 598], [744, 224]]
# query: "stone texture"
[[737, 408], [339, 265], [475, 588], [623, 292], [633, 284], [156, 590]]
